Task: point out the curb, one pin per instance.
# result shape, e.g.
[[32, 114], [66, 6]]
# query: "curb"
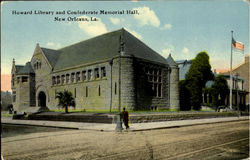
[[37, 125], [245, 118], [184, 125]]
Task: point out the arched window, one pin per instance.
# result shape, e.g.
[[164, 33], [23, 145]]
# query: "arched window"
[[63, 79], [75, 92], [86, 91], [99, 91], [53, 80], [58, 80], [115, 88], [84, 75], [13, 79], [67, 78]]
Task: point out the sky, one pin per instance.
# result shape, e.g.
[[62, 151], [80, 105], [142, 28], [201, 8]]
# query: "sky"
[[182, 28]]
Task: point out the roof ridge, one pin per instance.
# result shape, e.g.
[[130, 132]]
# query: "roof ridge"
[[49, 49], [52, 55], [234, 68], [106, 46], [26, 69], [91, 38], [144, 44]]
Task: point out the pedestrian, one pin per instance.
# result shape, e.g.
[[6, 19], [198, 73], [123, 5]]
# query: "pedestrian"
[[125, 117]]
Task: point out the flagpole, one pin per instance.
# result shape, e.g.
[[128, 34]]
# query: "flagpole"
[[231, 78]]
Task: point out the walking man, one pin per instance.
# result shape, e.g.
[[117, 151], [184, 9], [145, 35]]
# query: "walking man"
[[125, 117]]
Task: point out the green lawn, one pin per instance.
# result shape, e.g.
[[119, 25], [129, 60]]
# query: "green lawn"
[[84, 110], [6, 114], [130, 111]]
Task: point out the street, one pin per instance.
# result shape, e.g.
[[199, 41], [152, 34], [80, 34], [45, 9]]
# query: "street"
[[229, 140]]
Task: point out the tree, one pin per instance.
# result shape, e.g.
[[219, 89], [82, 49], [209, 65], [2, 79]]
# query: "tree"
[[6, 100], [66, 99], [219, 90], [184, 96], [197, 76]]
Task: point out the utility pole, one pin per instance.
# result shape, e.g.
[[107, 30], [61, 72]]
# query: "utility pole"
[[119, 122]]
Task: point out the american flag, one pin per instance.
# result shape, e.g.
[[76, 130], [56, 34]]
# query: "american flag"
[[237, 45]]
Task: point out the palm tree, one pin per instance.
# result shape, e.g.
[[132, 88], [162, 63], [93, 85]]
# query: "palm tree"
[[66, 99]]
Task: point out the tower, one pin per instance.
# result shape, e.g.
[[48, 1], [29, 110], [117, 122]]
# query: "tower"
[[173, 83]]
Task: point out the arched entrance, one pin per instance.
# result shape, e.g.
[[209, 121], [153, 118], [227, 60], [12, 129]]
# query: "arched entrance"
[[42, 99]]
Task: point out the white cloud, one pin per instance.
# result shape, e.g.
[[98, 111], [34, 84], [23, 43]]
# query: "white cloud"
[[54, 45], [146, 16], [92, 28], [185, 50], [50, 44], [115, 21], [167, 26], [165, 52]]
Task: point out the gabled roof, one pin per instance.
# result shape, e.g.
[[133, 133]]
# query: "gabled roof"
[[227, 76], [27, 69], [183, 61], [18, 68], [51, 55], [171, 61], [137, 48], [104, 47]]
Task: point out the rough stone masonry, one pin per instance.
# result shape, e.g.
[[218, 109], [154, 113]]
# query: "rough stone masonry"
[[105, 72]]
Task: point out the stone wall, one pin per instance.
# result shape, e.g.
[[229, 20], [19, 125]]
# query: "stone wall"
[[100, 93], [125, 84], [174, 88], [22, 93], [32, 90], [89, 94], [145, 96]]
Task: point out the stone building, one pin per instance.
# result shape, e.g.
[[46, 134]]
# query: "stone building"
[[105, 72]]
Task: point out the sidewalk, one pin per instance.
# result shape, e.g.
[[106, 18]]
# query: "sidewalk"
[[111, 127]]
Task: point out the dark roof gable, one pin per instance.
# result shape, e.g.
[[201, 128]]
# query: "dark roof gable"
[[171, 61], [27, 69], [51, 55], [18, 68], [100, 48]]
